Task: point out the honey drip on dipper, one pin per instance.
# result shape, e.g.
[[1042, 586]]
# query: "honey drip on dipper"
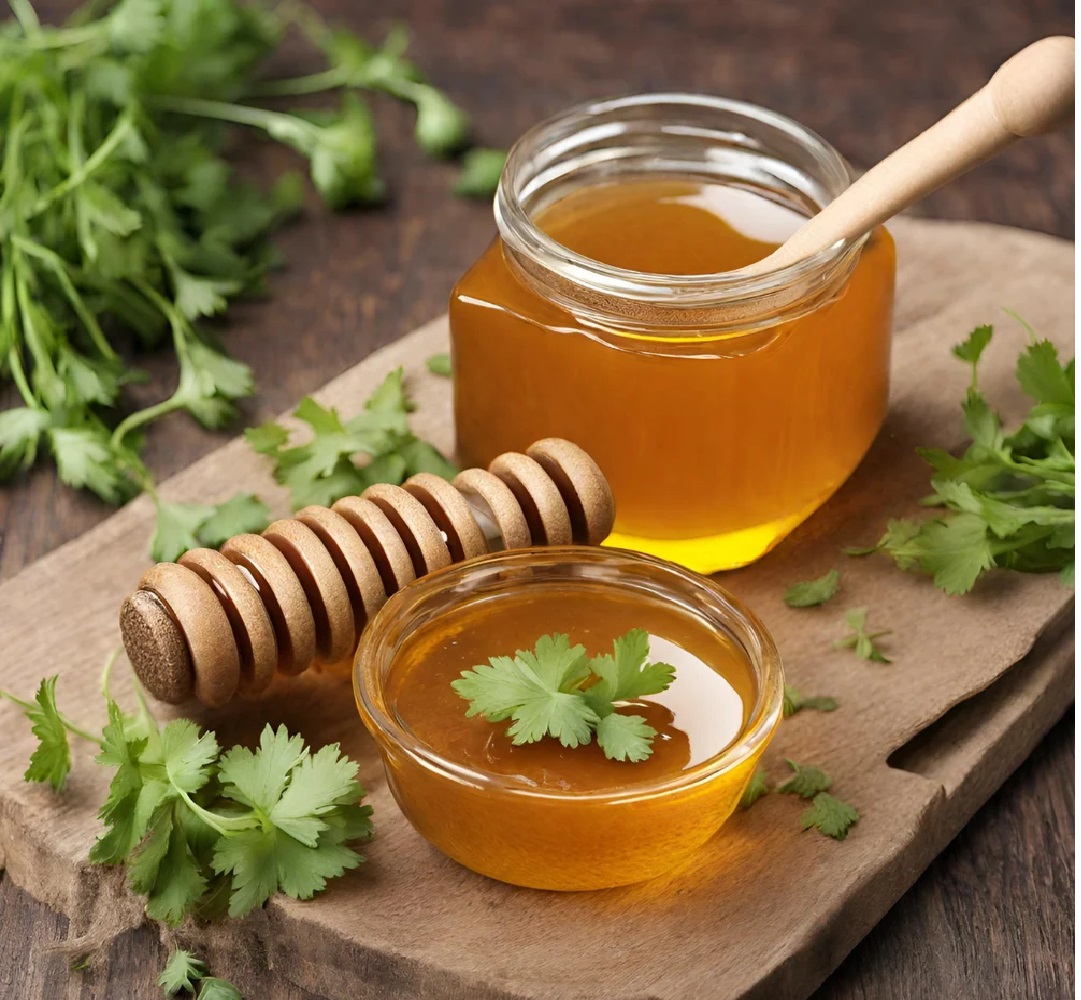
[[216, 623]]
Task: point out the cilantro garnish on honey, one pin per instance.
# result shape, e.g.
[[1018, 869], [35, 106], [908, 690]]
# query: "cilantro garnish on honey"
[[557, 690]]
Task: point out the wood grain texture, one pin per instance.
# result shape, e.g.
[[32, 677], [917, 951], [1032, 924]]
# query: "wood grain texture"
[[993, 917]]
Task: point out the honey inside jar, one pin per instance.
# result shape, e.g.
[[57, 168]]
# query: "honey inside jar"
[[541, 814], [720, 429]]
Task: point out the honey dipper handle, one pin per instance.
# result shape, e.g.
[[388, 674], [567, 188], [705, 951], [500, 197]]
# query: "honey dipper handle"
[[1031, 93]]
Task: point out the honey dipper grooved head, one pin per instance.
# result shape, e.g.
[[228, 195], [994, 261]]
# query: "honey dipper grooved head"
[[451, 512], [324, 587], [537, 495], [282, 595], [501, 502], [215, 659], [248, 617], [581, 484], [414, 524]]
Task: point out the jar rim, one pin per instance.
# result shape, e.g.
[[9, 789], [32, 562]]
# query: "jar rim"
[[384, 636], [549, 139]]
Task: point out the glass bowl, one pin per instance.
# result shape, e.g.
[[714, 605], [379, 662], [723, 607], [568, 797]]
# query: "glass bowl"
[[504, 827]]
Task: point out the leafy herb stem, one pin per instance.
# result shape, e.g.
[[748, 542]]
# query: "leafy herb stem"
[[276, 124], [119, 132], [71, 727]]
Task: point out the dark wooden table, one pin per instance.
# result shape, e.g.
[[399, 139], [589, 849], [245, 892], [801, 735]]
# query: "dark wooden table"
[[993, 917]]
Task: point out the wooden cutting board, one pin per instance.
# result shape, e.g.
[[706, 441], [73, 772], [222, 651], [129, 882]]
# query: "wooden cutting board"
[[763, 910]]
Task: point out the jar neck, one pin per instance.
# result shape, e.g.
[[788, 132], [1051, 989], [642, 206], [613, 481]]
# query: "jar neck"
[[671, 136]]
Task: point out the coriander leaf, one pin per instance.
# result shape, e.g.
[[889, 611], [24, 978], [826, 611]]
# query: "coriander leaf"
[[264, 860], [756, 788], [533, 689], [795, 702], [813, 592], [973, 346], [625, 737], [258, 779], [555, 662], [1010, 497], [566, 717], [860, 640], [830, 816], [80, 963], [956, 550], [240, 514], [144, 863], [293, 793], [1067, 575], [131, 802], [480, 172], [981, 422], [267, 439], [1042, 377], [177, 528], [187, 755], [51, 760], [197, 296], [179, 885], [439, 364], [542, 692], [442, 127], [213, 988], [85, 458], [318, 785], [806, 782], [21, 429], [625, 675], [342, 156], [181, 972]]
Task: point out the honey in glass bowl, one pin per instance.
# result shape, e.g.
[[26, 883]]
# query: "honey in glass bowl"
[[541, 814], [724, 409]]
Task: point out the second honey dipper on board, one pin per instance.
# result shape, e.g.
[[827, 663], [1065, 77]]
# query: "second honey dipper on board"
[[218, 623]]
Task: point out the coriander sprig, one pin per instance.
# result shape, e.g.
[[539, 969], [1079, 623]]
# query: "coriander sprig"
[[196, 827], [557, 690], [861, 639], [1008, 498], [827, 814]]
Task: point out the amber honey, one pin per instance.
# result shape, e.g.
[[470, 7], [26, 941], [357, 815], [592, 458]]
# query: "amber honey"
[[720, 427], [540, 814]]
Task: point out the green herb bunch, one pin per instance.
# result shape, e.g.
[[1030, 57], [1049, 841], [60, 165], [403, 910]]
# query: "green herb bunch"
[[1009, 498], [121, 220], [201, 831]]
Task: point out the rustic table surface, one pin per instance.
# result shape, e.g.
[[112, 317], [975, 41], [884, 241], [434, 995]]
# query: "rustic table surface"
[[993, 916]]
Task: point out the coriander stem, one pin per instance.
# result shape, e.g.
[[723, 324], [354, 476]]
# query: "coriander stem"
[[59, 267], [18, 376], [26, 16], [239, 114], [313, 83], [71, 727], [173, 402], [225, 825], [96, 159], [144, 416]]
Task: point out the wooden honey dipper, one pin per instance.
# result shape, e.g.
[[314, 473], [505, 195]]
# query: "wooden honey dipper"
[[215, 623]]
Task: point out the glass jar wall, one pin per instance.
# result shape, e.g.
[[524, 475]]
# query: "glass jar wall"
[[723, 408]]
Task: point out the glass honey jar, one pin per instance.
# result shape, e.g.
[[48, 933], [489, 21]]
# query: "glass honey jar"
[[611, 310]]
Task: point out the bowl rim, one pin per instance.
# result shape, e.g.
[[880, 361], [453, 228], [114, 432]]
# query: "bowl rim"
[[764, 658]]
